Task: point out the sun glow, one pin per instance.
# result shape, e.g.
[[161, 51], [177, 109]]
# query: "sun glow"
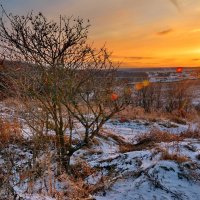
[[139, 33]]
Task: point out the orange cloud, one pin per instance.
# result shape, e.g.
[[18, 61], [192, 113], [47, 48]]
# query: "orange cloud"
[[130, 28]]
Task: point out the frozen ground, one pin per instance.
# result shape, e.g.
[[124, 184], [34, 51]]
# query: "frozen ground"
[[133, 175], [143, 175], [129, 130]]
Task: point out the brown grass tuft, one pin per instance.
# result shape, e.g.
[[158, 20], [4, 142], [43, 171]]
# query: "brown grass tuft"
[[191, 134], [157, 136], [10, 132], [82, 169], [174, 157], [126, 148]]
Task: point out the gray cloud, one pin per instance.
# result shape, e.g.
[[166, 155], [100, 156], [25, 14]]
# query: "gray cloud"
[[133, 57], [138, 58], [196, 59], [165, 32], [175, 3]]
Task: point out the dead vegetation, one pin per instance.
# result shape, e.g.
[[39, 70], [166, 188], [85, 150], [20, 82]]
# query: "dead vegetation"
[[157, 136], [82, 170], [191, 134], [175, 156], [75, 186], [10, 133], [177, 116]]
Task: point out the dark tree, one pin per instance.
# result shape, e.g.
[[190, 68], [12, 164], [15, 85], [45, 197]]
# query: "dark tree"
[[67, 83]]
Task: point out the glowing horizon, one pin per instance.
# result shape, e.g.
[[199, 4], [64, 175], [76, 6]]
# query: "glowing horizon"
[[144, 33]]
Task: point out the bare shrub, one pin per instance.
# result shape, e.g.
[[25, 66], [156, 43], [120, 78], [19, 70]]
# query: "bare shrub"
[[149, 97], [177, 98], [166, 97], [65, 81], [6, 86]]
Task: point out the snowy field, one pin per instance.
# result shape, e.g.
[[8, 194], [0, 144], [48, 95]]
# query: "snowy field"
[[142, 174], [133, 174]]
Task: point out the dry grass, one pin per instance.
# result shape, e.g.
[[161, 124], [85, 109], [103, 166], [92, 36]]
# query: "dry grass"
[[82, 169], [191, 134], [132, 113], [178, 120], [173, 156], [10, 132], [11, 102], [150, 140], [76, 187], [157, 136], [104, 134], [127, 148], [177, 116]]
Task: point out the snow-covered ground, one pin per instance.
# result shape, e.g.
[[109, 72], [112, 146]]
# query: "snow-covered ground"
[[130, 130], [141, 174]]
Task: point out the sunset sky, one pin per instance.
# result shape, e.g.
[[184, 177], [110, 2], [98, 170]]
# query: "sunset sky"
[[140, 33]]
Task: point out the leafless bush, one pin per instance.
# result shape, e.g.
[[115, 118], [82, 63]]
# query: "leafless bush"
[[166, 97], [177, 97], [6, 86], [67, 82], [149, 97]]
